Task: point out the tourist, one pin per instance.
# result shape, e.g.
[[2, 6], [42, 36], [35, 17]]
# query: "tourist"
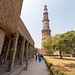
[[1, 62], [26, 68], [40, 58], [3, 56], [36, 57]]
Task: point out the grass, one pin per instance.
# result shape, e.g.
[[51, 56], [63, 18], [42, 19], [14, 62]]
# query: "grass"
[[69, 73], [55, 70], [57, 55]]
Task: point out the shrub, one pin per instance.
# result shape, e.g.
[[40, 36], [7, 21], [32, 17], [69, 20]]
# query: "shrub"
[[56, 71], [47, 61]]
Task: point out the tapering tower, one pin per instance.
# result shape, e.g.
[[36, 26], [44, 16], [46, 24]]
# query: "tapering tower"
[[46, 32]]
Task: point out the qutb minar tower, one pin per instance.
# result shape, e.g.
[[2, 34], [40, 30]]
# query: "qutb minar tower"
[[46, 32]]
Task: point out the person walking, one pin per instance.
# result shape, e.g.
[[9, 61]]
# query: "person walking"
[[40, 58], [1, 62], [36, 57], [26, 68]]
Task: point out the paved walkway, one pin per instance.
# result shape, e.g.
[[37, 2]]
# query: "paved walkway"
[[36, 68]]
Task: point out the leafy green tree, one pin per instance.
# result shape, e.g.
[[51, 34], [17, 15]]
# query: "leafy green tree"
[[47, 45], [70, 41], [64, 42], [54, 40], [58, 43]]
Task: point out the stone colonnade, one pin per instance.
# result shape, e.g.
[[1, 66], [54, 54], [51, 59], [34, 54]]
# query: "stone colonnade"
[[12, 48]]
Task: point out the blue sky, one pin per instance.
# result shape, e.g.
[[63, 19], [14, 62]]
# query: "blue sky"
[[61, 16]]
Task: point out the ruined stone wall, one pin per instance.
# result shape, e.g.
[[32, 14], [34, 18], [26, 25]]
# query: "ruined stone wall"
[[23, 29], [2, 35], [10, 14]]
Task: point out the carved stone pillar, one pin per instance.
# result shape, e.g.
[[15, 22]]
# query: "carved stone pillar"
[[22, 51], [27, 55], [33, 50], [27, 51], [19, 50], [32, 53], [8, 48], [13, 52]]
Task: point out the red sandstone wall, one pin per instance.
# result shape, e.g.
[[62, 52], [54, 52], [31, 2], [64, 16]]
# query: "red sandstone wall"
[[10, 14]]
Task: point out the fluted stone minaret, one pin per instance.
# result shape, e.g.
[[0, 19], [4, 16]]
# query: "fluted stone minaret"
[[46, 32]]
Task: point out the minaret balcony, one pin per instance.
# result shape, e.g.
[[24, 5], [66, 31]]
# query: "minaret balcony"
[[43, 31], [45, 13], [45, 20]]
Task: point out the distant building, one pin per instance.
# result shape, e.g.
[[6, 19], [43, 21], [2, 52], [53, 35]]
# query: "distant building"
[[36, 51], [46, 32]]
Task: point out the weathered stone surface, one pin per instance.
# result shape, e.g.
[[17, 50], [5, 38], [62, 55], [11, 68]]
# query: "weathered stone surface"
[[2, 35], [10, 14]]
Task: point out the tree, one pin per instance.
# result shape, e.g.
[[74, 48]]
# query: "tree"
[[47, 45], [70, 41], [64, 42], [58, 43]]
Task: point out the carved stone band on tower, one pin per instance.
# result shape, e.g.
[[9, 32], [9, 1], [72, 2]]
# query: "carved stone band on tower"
[[46, 32]]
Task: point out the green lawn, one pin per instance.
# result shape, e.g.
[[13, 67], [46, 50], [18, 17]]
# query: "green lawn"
[[56, 71]]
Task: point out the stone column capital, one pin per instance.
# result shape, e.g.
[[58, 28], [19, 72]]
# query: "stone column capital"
[[16, 34]]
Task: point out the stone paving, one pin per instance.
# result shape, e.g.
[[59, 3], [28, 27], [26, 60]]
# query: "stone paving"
[[17, 68], [36, 68]]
